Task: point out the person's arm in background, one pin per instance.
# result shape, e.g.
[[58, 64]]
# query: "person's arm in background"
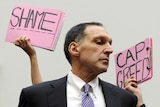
[[24, 43], [132, 86]]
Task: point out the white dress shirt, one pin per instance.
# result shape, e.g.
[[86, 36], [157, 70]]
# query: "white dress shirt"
[[74, 91]]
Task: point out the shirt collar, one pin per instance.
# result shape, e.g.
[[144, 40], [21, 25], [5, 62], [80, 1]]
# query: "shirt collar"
[[78, 83]]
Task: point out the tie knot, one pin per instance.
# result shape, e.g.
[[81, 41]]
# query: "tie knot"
[[87, 88], [86, 98]]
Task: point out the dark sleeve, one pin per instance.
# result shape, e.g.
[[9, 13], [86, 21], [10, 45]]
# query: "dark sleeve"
[[23, 100], [143, 105], [128, 99]]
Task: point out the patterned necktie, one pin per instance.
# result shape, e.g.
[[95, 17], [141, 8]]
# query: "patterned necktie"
[[86, 98]]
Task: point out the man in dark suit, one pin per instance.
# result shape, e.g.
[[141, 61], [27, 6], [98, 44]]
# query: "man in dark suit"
[[87, 48]]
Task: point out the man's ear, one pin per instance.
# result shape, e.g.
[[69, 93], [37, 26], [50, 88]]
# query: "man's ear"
[[73, 48]]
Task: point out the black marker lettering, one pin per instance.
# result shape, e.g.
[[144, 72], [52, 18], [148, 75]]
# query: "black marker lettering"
[[138, 49], [119, 60], [14, 15], [129, 55]]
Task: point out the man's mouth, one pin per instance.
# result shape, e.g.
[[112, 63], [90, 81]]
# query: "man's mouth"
[[105, 60]]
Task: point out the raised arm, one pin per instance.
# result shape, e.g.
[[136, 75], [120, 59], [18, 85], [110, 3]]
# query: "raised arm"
[[132, 86], [24, 43]]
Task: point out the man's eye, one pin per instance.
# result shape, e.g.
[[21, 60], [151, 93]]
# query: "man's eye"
[[99, 42]]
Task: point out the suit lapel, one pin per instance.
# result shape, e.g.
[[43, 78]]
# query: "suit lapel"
[[112, 98], [57, 94]]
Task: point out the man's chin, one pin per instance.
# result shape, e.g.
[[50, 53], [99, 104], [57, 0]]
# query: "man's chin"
[[104, 70]]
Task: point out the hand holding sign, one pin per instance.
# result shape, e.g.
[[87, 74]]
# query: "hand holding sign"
[[135, 61], [132, 86], [24, 43]]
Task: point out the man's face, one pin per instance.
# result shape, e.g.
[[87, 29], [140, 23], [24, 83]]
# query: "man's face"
[[95, 49]]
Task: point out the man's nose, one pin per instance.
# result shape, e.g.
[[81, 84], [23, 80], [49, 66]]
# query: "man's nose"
[[108, 49]]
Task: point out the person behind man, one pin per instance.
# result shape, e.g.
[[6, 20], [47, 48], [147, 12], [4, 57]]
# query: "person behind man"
[[24, 43], [132, 86], [87, 48]]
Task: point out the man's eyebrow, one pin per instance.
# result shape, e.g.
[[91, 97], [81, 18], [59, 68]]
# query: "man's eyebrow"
[[103, 37]]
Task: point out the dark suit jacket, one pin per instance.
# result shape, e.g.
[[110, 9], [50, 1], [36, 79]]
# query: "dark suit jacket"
[[53, 94]]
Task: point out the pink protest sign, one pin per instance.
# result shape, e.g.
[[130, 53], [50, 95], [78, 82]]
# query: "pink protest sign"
[[135, 61], [41, 25]]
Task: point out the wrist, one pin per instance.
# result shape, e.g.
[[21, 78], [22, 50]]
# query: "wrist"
[[140, 102]]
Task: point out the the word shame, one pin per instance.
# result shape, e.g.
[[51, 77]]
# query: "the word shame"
[[33, 19], [41, 25]]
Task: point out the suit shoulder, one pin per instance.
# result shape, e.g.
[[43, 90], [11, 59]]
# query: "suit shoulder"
[[116, 88], [46, 85]]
